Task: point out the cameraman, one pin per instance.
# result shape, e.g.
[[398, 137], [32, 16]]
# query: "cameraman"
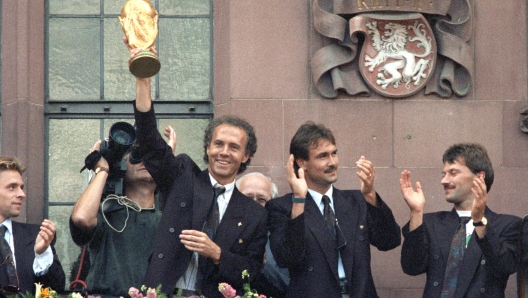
[[119, 230]]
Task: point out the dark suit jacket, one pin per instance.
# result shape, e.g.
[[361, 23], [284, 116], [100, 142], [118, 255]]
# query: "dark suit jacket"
[[24, 236], [305, 246], [188, 195], [487, 263]]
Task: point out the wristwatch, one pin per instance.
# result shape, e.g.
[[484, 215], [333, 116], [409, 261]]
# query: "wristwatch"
[[99, 169], [482, 222]]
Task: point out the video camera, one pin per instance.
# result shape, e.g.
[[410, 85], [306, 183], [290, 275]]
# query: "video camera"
[[122, 138]]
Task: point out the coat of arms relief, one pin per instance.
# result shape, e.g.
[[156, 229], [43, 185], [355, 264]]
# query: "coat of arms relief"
[[395, 48]]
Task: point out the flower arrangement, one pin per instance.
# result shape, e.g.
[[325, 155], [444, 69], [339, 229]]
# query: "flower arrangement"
[[46, 292], [150, 292], [229, 292], [42, 292]]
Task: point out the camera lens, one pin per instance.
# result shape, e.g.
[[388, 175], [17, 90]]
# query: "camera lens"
[[121, 137], [122, 133], [135, 156]]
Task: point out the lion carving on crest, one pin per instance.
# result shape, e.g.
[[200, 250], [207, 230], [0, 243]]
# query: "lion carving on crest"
[[400, 65]]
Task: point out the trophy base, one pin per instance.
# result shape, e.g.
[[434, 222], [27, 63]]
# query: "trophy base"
[[144, 65]]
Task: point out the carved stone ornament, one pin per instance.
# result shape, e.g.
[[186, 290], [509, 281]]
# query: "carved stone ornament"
[[404, 46], [524, 121]]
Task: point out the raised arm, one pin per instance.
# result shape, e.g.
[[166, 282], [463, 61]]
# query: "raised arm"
[[298, 186], [84, 214], [366, 176], [414, 199], [143, 98]]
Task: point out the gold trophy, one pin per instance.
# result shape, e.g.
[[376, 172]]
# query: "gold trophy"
[[139, 20]]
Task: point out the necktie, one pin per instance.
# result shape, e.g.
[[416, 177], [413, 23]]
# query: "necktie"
[[214, 214], [210, 229], [329, 215], [456, 255], [10, 279]]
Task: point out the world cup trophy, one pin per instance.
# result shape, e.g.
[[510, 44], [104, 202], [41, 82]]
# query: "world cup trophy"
[[139, 20]]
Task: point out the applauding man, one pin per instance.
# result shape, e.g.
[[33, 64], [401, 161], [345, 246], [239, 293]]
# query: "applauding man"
[[469, 251], [323, 234]]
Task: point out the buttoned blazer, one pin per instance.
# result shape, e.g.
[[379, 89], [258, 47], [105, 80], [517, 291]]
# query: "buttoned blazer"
[[24, 236], [487, 263], [187, 198], [305, 246]]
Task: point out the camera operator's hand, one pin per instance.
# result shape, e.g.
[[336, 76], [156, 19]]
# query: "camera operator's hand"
[[170, 134], [84, 213], [102, 163]]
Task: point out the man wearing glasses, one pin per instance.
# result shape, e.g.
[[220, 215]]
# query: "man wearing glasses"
[[323, 234], [35, 260], [272, 280]]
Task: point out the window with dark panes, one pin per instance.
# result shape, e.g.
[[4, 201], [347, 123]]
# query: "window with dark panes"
[[89, 87]]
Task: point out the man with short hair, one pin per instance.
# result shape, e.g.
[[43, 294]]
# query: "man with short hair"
[[30, 247], [257, 186], [209, 232], [461, 258], [118, 229], [273, 280], [323, 234]]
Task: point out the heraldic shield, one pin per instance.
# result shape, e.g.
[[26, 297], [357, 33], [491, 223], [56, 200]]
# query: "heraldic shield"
[[399, 52]]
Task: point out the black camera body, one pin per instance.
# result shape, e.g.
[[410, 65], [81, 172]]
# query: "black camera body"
[[122, 138]]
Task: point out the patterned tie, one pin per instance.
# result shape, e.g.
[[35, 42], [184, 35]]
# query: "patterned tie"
[[7, 260], [456, 255], [214, 215], [329, 215]]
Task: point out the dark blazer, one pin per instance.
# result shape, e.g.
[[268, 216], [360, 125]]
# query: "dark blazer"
[[24, 236], [487, 263], [305, 246], [188, 196]]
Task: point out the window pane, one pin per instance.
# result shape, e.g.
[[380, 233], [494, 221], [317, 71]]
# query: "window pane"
[[67, 150], [74, 54], [185, 59], [70, 141], [118, 81], [114, 7], [189, 133], [67, 250], [74, 6], [184, 7]]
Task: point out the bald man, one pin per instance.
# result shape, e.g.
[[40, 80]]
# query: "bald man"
[[273, 282]]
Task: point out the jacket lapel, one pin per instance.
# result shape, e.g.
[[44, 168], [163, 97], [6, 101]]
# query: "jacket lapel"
[[202, 200], [471, 261], [445, 232], [347, 214], [317, 226], [234, 220], [22, 239]]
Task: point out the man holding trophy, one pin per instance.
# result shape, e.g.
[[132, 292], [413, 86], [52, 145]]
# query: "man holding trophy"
[[209, 231]]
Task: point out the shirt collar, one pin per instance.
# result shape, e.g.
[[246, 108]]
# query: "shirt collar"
[[464, 213], [229, 187], [317, 197], [9, 225]]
